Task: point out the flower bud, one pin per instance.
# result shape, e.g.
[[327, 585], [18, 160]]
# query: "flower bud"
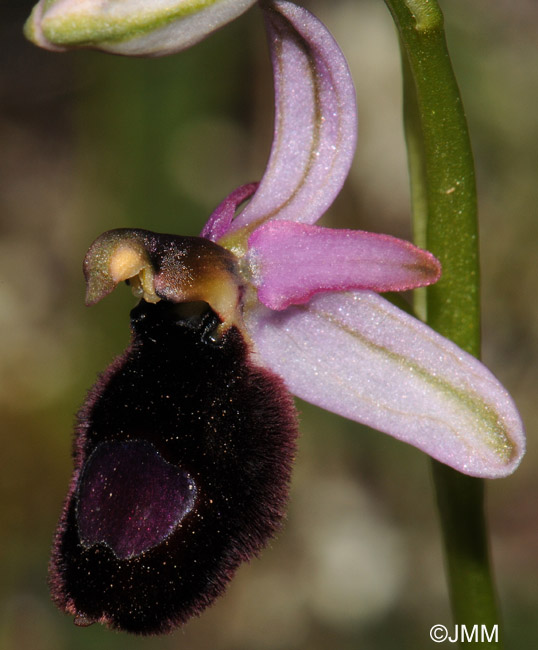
[[129, 27]]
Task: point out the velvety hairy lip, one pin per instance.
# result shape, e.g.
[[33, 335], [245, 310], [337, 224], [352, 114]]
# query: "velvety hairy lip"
[[183, 460]]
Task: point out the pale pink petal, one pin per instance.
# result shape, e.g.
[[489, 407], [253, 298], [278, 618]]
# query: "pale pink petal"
[[219, 222], [359, 356], [315, 120], [290, 262]]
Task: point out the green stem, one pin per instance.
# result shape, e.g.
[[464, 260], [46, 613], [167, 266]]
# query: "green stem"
[[443, 197]]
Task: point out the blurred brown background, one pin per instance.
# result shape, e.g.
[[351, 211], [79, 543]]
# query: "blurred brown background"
[[90, 142]]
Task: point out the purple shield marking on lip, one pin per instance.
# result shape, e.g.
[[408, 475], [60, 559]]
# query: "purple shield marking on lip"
[[130, 498]]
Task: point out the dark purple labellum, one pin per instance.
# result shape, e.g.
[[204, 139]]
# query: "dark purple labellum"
[[130, 498], [195, 445]]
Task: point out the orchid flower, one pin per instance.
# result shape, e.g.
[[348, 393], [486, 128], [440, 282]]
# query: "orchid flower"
[[306, 297], [264, 303]]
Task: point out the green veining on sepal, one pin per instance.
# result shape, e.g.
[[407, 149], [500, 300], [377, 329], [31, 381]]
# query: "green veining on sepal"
[[493, 433], [68, 29]]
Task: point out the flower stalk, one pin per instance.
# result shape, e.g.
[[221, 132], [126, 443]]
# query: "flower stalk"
[[443, 194]]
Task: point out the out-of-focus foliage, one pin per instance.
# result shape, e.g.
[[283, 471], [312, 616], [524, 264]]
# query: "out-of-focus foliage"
[[91, 142]]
